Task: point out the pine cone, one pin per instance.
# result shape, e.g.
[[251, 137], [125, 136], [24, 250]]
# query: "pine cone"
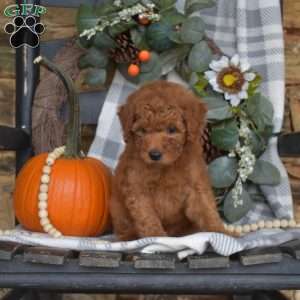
[[210, 152], [126, 51]]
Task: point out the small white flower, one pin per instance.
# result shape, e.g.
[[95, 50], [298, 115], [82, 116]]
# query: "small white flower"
[[231, 77]]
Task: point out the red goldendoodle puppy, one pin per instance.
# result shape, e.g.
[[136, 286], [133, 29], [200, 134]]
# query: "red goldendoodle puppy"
[[161, 185]]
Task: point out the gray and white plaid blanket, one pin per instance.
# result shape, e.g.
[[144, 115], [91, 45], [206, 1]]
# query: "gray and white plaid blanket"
[[253, 29], [184, 246]]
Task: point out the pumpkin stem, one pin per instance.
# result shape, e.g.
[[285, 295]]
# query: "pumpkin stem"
[[73, 126]]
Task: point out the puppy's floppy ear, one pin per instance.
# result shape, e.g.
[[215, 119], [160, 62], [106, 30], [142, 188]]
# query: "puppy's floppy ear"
[[195, 118], [126, 115]]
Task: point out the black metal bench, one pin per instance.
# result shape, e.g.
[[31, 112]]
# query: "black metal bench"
[[43, 269]]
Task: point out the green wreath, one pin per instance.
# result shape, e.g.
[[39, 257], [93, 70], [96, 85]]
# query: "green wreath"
[[147, 39]]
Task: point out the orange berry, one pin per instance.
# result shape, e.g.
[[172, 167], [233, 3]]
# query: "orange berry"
[[133, 70], [143, 20], [144, 55]]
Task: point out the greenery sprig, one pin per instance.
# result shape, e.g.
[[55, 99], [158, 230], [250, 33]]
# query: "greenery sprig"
[[115, 32], [241, 121]]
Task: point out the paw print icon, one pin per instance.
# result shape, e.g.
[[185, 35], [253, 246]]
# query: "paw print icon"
[[24, 31]]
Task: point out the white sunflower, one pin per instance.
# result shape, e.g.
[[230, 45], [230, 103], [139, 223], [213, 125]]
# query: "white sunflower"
[[231, 77]]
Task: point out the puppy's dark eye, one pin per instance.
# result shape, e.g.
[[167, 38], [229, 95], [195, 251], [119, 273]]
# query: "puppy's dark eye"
[[141, 131], [171, 130]]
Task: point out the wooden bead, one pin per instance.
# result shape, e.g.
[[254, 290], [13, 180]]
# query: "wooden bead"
[[61, 150], [284, 223], [46, 169], [292, 223], [268, 224], [50, 161], [238, 229], [230, 228], [43, 213], [254, 227], [43, 197], [57, 234], [45, 178], [47, 227], [52, 231], [246, 228], [261, 224], [276, 224], [42, 205], [52, 155], [44, 221], [44, 188]]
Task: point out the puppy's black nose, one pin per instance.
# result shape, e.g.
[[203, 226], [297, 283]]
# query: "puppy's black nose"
[[155, 155]]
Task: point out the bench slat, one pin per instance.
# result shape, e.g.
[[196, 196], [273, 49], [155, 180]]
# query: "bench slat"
[[100, 259], [292, 248], [8, 250], [208, 261], [154, 261], [261, 256], [44, 255]]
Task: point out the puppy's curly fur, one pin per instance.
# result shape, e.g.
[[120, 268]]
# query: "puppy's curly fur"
[[161, 185]]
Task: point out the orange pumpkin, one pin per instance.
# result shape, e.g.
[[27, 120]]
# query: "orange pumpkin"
[[79, 187]]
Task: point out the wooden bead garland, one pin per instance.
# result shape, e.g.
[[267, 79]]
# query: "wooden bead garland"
[[242, 229], [43, 194]]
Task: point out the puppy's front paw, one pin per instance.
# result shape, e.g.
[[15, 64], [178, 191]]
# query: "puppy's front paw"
[[152, 232]]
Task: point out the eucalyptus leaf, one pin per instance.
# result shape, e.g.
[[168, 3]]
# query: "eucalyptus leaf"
[[234, 213], [195, 5], [200, 57], [183, 71], [265, 173], [138, 38], [225, 135], [104, 41], [255, 192], [218, 108], [86, 18], [121, 27], [170, 59], [93, 58], [95, 77], [260, 110], [266, 133], [192, 30], [157, 35], [223, 171], [175, 37], [130, 2], [257, 143], [83, 42], [164, 4], [104, 9], [172, 17]]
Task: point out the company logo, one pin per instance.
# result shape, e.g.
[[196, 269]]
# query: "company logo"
[[24, 23]]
